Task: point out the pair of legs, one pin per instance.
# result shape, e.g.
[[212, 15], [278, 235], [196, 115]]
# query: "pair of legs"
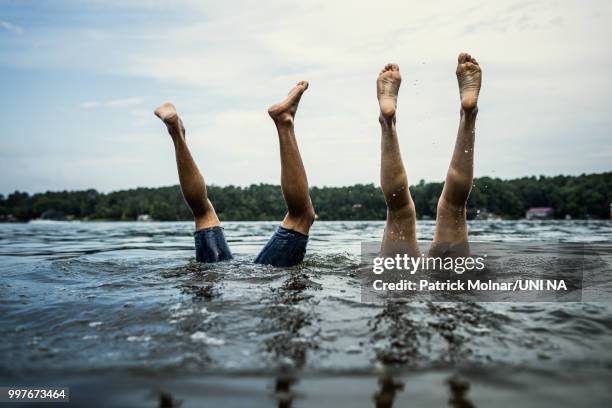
[[294, 183], [451, 226]]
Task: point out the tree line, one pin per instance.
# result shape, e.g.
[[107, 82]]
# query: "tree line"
[[584, 196]]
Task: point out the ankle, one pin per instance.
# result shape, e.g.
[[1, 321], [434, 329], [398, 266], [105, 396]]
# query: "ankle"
[[469, 114], [176, 135], [283, 120], [386, 122]]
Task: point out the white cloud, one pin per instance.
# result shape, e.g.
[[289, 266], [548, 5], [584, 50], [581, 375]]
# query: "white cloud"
[[113, 103], [89, 105], [13, 28], [120, 103], [546, 81]]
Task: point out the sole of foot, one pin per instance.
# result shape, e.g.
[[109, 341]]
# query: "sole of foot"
[[469, 76], [284, 112], [387, 89], [167, 113]]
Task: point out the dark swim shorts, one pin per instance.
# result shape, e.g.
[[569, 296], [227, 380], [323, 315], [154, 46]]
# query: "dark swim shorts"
[[211, 245], [285, 248]]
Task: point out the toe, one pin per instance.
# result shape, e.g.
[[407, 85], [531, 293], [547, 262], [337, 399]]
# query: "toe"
[[462, 57], [304, 84], [470, 66], [394, 67]]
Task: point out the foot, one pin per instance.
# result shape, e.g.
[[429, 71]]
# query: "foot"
[[167, 113], [284, 112], [469, 77], [387, 88]]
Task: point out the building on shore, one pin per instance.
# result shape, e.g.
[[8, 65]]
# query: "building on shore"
[[540, 213]]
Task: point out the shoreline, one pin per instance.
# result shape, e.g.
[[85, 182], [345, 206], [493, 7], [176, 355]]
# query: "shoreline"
[[77, 221]]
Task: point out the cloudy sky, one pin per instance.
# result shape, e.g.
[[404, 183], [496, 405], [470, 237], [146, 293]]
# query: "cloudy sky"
[[80, 79]]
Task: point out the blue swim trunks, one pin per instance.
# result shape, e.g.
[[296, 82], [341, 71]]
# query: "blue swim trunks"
[[211, 245], [285, 248]]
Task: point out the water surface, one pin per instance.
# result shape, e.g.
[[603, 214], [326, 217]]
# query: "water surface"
[[123, 311]]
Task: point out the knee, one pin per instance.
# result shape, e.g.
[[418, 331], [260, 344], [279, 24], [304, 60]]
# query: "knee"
[[398, 198], [300, 221], [309, 215], [447, 205], [456, 176], [306, 216], [203, 209], [407, 212], [457, 187], [205, 216]]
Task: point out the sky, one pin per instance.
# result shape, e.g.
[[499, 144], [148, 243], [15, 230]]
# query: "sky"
[[80, 80]]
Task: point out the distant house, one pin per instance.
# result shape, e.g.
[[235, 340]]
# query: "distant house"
[[539, 213], [482, 214], [144, 218], [12, 218]]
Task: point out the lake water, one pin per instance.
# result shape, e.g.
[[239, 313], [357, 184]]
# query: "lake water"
[[122, 314]]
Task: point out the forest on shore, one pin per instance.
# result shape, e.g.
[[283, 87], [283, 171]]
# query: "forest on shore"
[[583, 197]]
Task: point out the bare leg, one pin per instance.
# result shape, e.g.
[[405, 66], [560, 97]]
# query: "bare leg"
[[192, 182], [400, 229], [451, 226], [300, 212]]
